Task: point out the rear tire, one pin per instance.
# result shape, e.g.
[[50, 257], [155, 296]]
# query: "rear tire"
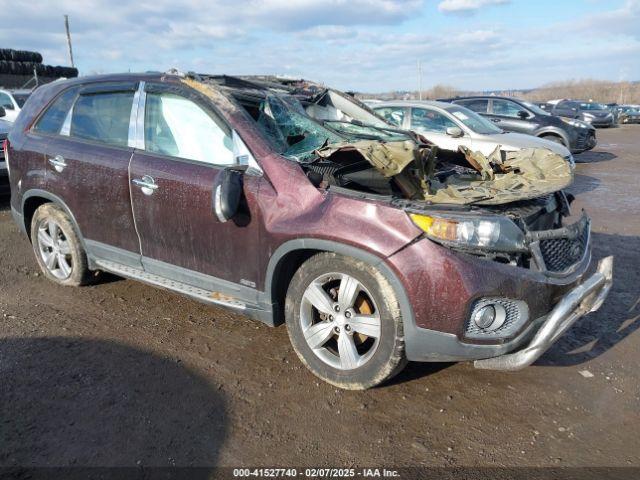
[[344, 322], [58, 248]]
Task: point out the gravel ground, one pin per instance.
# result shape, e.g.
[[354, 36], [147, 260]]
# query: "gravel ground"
[[123, 374]]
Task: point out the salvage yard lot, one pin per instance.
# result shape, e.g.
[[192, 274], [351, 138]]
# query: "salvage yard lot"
[[123, 374]]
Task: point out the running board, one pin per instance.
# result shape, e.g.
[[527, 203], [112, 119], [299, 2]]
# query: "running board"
[[215, 298]]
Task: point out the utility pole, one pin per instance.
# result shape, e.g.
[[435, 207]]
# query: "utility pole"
[[419, 79], [66, 27]]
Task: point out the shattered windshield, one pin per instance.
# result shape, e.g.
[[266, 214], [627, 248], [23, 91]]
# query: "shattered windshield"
[[283, 119]]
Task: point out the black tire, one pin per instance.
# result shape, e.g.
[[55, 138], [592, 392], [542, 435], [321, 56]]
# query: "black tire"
[[386, 359], [555, 139], [77, 258]]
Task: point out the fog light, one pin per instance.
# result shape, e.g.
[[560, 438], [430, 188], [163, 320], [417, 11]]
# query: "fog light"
[[485, 316]]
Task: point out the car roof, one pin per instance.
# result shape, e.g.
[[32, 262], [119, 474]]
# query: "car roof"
[[492, 97], [412, 103]]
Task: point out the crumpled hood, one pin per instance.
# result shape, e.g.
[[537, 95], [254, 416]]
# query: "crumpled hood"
[[505, 177], [501, 177]]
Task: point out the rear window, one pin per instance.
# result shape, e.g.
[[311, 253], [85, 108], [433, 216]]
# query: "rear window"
[[102, 117], [478, 105], [53, 118]]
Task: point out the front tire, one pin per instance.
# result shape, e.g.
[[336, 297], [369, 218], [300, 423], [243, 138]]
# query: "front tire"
[[344, 322], [57, 247], [555, 139]]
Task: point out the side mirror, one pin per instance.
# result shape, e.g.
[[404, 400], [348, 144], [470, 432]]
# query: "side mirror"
[[454, 132], [523, 114], [227, 193], [2, 111]]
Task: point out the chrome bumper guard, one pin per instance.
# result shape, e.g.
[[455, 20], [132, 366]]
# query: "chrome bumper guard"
[[585, 298]]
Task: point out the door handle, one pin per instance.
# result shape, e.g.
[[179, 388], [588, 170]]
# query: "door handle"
[[58, 163], [147, 184], [495, 120]]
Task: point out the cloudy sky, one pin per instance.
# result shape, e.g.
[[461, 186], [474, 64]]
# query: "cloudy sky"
[[366, 45]]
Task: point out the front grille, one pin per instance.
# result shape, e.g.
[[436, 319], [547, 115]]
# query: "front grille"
[[561, 253], [516, 314], [561, 249]]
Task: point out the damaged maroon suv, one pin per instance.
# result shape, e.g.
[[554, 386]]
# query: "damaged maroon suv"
[[290, 202]]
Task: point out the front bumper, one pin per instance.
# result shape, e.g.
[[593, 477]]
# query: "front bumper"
[[601, 122], [584, 298], [585, 140]]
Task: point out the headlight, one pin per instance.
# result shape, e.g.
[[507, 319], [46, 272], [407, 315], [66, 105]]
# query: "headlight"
[[575, 123], [588, 115], [484, 233]]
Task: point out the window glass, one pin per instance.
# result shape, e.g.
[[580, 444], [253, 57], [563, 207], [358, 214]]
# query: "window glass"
[[5, 101], [478, 105], [20, 98], [430, 120], [51, 121], [393, 115], [473, 121], [103, 117], [506, 108], [178, 127]]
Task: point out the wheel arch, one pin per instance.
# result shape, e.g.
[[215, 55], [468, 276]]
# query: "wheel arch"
[[546, 132], [33, 199], [289, 256]]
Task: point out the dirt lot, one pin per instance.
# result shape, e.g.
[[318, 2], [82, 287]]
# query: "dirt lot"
[[125, 374]]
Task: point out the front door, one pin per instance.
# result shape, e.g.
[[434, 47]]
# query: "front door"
[[185, 147], [506, 115]]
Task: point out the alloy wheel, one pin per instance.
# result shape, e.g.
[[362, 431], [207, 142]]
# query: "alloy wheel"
[[340, 321], [55, 250]]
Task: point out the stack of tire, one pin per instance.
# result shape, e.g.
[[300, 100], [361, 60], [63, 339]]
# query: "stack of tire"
[[18, 66]]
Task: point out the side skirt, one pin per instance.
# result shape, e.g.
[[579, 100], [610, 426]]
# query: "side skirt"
[[217, 298]]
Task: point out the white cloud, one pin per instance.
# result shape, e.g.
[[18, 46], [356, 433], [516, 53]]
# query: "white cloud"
[[467, 6]]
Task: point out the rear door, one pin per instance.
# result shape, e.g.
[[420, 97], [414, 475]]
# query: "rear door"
[[83, 136], [506, 115], [185, 146]]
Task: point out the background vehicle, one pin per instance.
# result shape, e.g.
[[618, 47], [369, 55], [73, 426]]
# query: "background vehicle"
[[515, 115], [593, 113], [627, 114], [12, 101], [4, 176], [227, 191], [449, 126]]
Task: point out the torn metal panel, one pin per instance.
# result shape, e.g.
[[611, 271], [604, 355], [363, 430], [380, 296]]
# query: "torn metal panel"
[[521, 175]]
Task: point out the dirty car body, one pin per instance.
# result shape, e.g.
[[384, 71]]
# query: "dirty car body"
[[471, 248]]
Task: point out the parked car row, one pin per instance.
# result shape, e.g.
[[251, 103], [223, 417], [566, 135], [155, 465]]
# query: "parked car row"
[[450, 125], [596, 114], [292, 202], [512, 114]]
